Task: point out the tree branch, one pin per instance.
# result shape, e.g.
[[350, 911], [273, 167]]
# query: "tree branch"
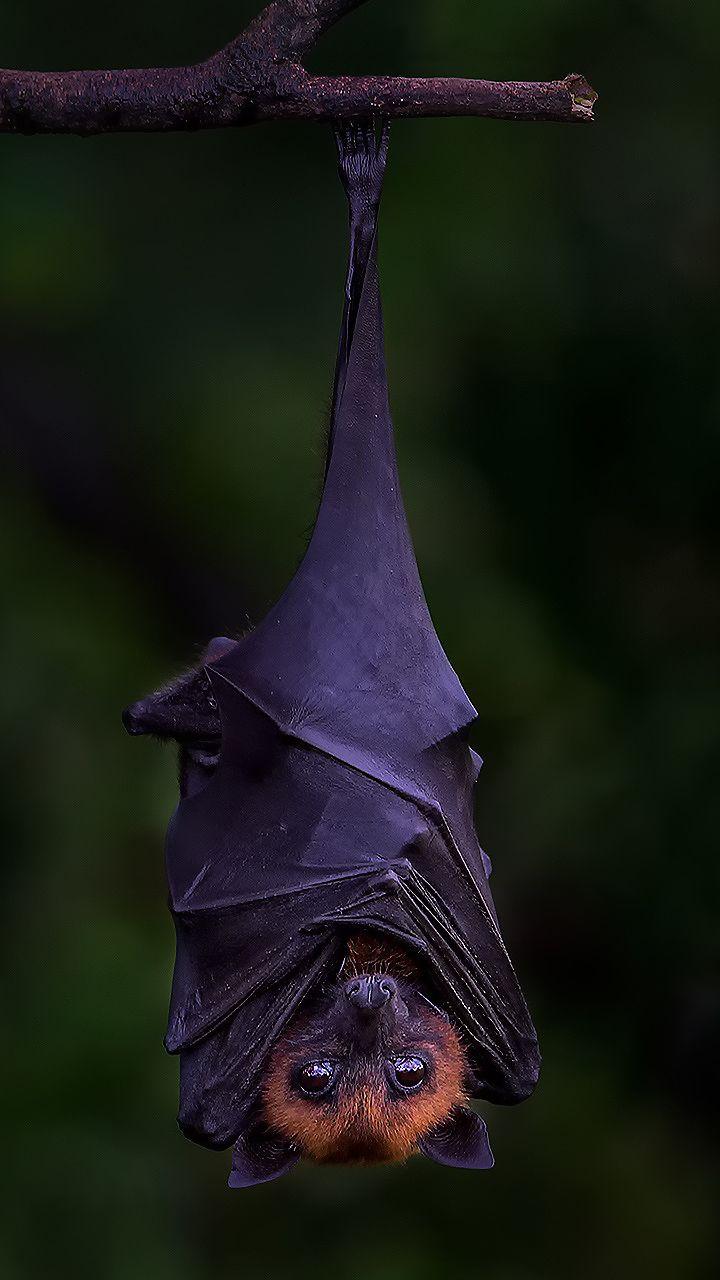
[[259, 76]]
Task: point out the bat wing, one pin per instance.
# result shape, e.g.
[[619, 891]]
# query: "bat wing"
[[348, 660]]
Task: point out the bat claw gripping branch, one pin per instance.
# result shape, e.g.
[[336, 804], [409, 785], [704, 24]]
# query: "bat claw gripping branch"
[[362, 157]]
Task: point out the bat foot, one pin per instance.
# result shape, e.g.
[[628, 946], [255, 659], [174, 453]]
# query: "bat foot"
[[362, 157]]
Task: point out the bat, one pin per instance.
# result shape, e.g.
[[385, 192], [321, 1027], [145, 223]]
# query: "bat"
[[341, 988]]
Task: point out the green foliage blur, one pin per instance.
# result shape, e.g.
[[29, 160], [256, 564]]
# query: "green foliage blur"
[[169, 308]]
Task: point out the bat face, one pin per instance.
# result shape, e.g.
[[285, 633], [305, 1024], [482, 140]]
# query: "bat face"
[[365, 1073]]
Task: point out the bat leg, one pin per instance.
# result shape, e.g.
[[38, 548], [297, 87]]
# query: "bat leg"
[[362, 157]]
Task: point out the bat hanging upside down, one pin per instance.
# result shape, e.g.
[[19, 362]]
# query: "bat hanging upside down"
[[341, 987]]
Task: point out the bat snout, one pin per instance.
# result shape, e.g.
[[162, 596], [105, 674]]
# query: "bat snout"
[[370, 993]]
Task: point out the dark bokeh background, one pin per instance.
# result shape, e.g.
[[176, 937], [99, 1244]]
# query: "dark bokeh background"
[[169, 309]]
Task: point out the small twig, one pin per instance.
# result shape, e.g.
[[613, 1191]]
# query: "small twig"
[[259, 76]]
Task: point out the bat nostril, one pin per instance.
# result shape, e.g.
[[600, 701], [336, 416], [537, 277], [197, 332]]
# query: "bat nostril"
[[358, 993], [389, 987]]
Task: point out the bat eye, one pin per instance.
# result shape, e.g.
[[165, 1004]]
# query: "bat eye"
[[409, 1072], [198, 761], [315, 1078]]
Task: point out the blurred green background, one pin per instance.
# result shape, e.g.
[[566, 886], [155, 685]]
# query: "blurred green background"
[[169, 308]]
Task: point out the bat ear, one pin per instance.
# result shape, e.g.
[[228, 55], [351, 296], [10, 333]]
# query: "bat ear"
[[462, 1142], [258, 1157], [217, 649]]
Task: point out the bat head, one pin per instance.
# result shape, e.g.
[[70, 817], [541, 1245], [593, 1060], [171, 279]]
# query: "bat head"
[[370, 1072]]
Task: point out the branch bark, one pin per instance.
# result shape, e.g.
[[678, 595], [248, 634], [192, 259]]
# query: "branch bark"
[[259, 76]]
